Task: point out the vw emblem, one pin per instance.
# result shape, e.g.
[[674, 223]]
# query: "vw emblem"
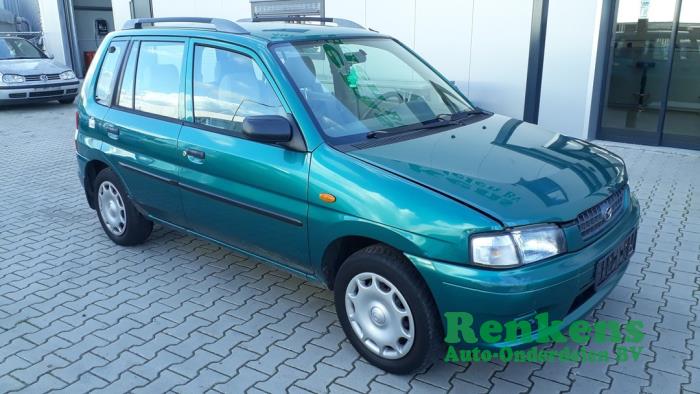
[[43, 77]]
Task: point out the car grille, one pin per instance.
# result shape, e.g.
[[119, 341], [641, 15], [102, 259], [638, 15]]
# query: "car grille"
[[37, 78], [597, 219], [46, 94]]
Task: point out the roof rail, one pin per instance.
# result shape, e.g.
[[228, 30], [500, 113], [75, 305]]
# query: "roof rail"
[[222, 25], [298, 19]]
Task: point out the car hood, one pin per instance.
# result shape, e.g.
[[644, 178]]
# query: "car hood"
[[515, 172], [31, 66]]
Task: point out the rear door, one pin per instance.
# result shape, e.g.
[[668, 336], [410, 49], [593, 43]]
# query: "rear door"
[[145, 121], [244, 193]]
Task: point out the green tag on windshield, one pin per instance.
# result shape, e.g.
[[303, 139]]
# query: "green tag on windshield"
[[352, 77]]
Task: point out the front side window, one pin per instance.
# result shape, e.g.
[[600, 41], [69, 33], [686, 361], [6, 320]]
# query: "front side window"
[[362, 85], [18, 48], [104, 87], [228, 87], [158, 77]]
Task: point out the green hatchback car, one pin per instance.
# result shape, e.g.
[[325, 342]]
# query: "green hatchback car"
[[338, 154]]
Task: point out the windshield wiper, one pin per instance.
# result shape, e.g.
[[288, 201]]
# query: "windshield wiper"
[[460, 116], [442, 120], [431, 124]]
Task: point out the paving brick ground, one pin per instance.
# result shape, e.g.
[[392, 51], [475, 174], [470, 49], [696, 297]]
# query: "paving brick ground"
[[78, 313]]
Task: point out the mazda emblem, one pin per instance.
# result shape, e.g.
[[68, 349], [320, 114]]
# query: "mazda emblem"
[[607, 213]]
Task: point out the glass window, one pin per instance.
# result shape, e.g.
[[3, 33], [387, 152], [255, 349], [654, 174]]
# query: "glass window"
[[158, 74], [359, 85], [682, 124], [108, 72], [228, 87], [639, 66], [126, 91]]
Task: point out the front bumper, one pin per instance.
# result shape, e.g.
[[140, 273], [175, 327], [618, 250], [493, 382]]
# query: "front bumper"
[[561, 286], [28, 92]]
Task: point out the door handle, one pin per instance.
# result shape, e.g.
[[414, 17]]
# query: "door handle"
[[111, 129], [194, 153]]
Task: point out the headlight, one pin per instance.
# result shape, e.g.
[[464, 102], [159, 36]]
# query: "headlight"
[[67, 75], [12, 78], [522, 245]]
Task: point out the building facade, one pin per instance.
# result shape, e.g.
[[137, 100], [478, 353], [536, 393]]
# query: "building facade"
[[625, 70]]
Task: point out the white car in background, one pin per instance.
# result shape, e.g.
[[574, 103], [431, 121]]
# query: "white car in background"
[[27, 74]]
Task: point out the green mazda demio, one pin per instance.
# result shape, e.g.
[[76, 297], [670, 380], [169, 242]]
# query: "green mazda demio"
[[338, 154]]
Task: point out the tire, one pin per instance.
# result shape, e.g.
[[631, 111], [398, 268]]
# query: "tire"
[[387, 269], [120, 220], [67, 100]]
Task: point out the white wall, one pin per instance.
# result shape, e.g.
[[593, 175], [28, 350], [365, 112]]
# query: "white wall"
[[228, 9], [55, 40], [569, 64], [499, 55], [121, 11]]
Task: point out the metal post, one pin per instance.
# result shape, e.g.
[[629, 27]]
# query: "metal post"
[[667, 88]]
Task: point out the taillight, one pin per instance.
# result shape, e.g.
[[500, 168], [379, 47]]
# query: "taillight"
[[77, 119]]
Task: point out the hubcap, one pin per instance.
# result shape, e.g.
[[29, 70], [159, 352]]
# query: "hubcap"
[[111, 208], [379, 315]]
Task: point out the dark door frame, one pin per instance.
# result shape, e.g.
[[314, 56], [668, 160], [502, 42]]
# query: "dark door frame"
[[538, 35], [603, 74]]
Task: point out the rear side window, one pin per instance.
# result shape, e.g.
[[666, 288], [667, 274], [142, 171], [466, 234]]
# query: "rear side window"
[[126, 91], [108, 72], [229, 86], [158, 72]]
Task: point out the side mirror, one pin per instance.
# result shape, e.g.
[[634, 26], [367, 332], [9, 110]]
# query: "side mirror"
[[267, 128], [50, 55]]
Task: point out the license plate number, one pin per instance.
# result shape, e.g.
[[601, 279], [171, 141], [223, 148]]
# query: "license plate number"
[[615, 259]]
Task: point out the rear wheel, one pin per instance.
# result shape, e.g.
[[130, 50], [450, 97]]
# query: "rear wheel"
[[120, 220], [387, 311]]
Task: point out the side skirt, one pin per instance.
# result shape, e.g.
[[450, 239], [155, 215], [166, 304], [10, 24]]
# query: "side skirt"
[[299, 273]]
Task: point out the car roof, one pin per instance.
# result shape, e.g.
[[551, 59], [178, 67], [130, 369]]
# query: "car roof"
[[262, 32]]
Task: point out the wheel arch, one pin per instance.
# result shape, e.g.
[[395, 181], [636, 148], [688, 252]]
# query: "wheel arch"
[[92, 168], [342, 246]]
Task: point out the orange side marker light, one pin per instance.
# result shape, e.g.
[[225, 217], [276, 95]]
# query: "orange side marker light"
[[326, 197]]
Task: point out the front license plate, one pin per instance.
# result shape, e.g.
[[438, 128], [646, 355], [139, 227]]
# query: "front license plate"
[[615, 259]]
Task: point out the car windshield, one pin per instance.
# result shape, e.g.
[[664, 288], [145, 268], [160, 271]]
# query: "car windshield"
[[358, 87], [18, 48]]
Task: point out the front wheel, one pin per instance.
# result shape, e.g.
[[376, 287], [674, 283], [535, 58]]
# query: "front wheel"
[[387, 311], [120, 220]]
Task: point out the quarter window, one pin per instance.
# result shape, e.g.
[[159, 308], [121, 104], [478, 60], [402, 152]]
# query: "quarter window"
[[126, 91], [228, 87], [157, 88], [108, 72]]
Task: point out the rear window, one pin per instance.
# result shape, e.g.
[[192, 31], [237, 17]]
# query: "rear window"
[[108, 72]]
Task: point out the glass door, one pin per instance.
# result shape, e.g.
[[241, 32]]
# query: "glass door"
[[653, 87], [682, 124]]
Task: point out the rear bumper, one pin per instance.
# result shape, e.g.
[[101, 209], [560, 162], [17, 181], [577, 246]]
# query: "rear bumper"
[[562, 286], [23, 93]]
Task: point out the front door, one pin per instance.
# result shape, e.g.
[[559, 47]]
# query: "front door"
[[246, 194], [653, 89]]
